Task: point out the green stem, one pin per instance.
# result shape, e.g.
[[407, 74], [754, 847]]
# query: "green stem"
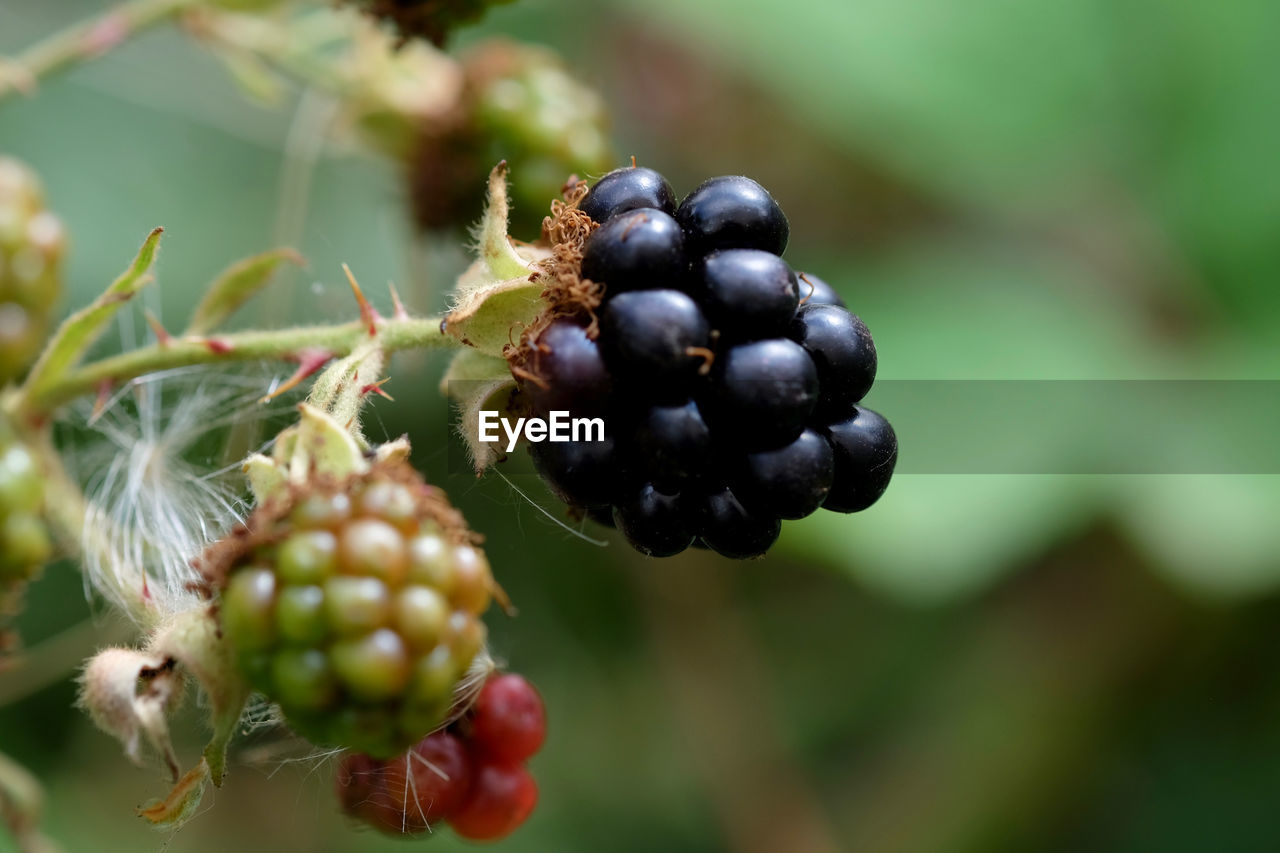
[[300, 49], [277, 345], [341, 390], [83, 41]]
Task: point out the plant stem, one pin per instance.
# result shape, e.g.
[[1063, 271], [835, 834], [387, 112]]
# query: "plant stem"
[[277, 345], [83, 41]]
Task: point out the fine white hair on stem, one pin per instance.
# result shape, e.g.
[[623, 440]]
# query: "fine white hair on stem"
[[162, 481]]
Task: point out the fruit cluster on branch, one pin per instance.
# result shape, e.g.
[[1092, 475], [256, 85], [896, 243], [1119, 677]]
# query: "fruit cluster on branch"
[[728, 384], [355, 606]]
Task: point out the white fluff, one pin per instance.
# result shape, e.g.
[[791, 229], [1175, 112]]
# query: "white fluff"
[[162, 483]]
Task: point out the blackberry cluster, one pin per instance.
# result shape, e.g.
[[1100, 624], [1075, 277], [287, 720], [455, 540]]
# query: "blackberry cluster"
[[728, 384], [471, 774], [32, 242], [357, 608], [24, 541]]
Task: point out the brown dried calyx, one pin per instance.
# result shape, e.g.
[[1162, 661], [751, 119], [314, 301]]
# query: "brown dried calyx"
[[565, 291]]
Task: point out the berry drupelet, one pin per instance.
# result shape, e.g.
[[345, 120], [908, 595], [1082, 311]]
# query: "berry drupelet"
[[470, 774], [733, 383], [25, 545]]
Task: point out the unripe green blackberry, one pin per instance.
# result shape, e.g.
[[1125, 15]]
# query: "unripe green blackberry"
[[519, 104], [433, 20], [32, 242], [24, 540], [355, 606]]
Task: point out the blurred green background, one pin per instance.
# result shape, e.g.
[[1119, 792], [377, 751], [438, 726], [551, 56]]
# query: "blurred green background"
[[1002, 190]]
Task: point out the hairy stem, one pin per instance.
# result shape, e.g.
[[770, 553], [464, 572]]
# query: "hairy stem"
[[277, 345], [83, 41]]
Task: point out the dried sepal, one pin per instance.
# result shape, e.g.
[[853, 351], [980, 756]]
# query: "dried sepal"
[[180, 804], [129, 694]]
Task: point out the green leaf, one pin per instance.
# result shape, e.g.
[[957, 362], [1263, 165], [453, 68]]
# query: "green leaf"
[[79, 331], [988, 100], [935, 538], [1215, 534], [943, 311], [235, 286]]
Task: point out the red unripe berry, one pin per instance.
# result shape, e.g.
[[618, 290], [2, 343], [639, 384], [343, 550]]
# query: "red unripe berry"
[[426, 784], [502, 797], [359, 786], [508, 721], [411, 792]]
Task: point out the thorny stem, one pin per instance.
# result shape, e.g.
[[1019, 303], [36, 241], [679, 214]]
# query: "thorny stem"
[[342, 388], [278, 345], [83, 41]]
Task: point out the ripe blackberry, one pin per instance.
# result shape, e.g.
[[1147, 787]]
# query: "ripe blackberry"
[[627, 189], [843, 352], [655, 337], [815, 291], [733, 212], [729, 529], [568, 371], [748, 293], [735, 382], [764, 392], [32, 243], [581, 473], [675, 443], [642, 248], [655, 524], [356, 608], [866, 450], [791, 481]]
